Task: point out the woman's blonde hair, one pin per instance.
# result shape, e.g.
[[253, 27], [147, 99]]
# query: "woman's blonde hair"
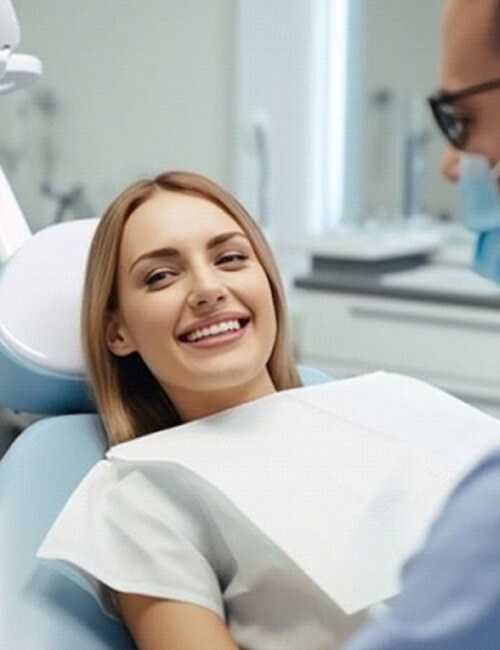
[[128, 397]]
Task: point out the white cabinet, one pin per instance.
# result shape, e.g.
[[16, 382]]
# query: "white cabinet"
[[451, 346]]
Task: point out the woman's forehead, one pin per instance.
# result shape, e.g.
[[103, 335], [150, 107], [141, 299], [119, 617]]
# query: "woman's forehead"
[[172, 219]]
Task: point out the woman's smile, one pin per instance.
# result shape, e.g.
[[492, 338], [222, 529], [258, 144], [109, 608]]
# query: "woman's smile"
[[219, 339]]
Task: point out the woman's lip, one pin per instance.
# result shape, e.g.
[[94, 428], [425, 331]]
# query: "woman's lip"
[[210, 323], [219, 339]]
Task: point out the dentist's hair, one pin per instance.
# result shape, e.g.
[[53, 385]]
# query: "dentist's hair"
[[495, 27], [129, 399], [481, 16]]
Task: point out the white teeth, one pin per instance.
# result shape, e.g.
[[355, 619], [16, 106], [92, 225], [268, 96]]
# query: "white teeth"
[[214, 329]]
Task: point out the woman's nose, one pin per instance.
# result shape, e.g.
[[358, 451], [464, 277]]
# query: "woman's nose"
[[207, 289], [450, 164]]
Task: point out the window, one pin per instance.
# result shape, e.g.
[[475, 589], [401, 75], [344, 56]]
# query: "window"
[[342, 105]]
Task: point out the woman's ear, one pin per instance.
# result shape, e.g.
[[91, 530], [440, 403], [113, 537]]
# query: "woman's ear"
[[118, 339]]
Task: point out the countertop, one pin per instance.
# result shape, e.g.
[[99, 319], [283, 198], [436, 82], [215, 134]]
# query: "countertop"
[[431, 282]]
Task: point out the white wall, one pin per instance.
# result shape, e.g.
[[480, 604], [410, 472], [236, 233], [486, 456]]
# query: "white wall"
[[403, 47], [143, 85], [274, 68], [396, 46], [276, 77], [146, 85]]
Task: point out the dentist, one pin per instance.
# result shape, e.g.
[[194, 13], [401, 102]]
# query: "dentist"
[[450, 596]]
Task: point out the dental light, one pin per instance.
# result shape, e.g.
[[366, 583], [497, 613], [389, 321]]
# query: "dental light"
[[16, 70], [41, 367]]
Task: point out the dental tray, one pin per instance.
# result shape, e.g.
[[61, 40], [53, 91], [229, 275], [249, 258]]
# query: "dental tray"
[[371, 247]]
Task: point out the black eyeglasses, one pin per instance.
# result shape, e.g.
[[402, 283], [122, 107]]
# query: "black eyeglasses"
[[453, 125]]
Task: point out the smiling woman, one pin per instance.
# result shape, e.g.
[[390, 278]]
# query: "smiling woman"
[[172, 259], [183, 316]]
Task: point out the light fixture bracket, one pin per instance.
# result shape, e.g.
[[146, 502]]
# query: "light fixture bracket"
[[16, 70]]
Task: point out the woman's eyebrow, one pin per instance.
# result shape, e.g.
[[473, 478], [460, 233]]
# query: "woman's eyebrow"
[[173, 252]]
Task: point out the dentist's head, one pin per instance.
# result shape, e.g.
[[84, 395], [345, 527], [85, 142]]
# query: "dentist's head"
[[184, 312], [467, 110]]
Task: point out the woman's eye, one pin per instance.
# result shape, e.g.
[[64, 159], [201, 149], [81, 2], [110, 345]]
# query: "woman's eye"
[[232, 257], [159, 275]]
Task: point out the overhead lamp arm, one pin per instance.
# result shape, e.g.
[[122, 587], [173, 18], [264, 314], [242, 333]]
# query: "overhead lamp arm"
[[10, 33], [16, 71]]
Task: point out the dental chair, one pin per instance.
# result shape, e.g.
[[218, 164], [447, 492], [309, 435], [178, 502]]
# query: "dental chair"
[[41, 371]]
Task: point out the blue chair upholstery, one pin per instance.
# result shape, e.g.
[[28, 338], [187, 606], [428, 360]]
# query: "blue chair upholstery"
[[40, 609]]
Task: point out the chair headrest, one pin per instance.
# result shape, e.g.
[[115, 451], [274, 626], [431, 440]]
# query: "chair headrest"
[[41, 285]]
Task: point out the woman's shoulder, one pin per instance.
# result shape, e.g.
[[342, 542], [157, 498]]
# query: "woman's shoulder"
[[138, 485], [134, 497]]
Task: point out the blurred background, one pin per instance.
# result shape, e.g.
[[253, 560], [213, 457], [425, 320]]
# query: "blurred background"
[[314, 113], [328, 90]]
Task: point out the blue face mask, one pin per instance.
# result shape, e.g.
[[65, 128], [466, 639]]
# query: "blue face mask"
[[480, 202]]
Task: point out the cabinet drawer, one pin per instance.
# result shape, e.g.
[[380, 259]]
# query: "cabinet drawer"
[[401, 335]]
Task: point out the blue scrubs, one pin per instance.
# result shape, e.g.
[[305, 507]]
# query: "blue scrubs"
[[450, 597]]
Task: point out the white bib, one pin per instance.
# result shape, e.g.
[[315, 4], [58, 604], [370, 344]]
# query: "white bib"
[[345, 477]]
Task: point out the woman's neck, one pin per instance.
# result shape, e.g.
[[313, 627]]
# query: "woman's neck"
[[193, 405]]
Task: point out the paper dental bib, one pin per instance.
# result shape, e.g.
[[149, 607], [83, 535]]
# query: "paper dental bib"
[[344, 478]]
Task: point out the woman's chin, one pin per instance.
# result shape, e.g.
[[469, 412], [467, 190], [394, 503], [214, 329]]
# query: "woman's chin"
[[224, 374]]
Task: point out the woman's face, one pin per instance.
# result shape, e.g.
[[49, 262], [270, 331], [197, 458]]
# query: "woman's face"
[[205, 275]]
